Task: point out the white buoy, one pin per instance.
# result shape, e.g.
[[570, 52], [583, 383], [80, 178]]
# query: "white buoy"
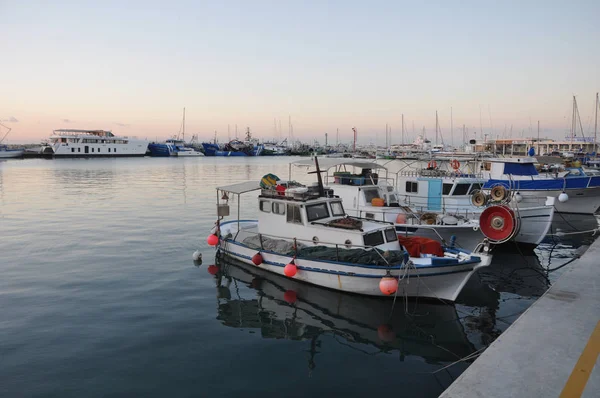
[[518, 197], [563, 197], [197, 256]]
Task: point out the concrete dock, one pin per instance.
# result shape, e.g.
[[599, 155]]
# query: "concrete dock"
[[552, 349]]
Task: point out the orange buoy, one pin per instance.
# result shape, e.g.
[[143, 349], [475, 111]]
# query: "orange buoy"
[[455, 164], [212, 269], [377, 202], [290, 269], [388, 285], [257, 259], [212, 239], [401, 218], [432, 165], [290, 296]]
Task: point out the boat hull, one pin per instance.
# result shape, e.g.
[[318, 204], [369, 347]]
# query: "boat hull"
[[438, 278], [11, 153], [581, 201]]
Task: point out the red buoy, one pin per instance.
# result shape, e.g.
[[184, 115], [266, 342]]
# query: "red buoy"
[[212, 239], [497, 223], [290, 269], [257, 259], [386, 333], [388, 285], [212, 269], [290, 296]]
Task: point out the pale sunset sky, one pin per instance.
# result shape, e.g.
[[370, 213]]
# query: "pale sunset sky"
[[131, 66]]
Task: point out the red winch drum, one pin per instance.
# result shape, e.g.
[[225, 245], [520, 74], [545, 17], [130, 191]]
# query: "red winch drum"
[[498, 223]]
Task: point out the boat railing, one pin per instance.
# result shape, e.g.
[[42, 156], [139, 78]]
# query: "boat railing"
[[338, 246]]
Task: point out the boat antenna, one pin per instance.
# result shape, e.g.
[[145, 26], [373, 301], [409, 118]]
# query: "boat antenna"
[[319, 178]]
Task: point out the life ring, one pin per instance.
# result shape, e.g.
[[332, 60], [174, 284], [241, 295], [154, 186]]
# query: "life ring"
[[432, 165], [455, 164]]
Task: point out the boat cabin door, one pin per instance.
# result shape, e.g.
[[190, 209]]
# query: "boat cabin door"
[[87, 149], [434, 195]]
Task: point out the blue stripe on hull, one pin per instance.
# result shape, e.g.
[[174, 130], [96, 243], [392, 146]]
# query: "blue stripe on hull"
[[546, 184]]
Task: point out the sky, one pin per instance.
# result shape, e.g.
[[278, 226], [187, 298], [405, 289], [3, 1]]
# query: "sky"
[[132, 66]]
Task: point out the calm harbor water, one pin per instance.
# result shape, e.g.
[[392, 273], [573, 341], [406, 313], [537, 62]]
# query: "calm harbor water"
[[100, 297]]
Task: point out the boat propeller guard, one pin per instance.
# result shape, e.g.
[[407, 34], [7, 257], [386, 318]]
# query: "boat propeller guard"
[[498, 223]]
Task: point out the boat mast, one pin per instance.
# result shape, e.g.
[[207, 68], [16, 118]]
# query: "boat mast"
[[436, 127], [596, 126], [183, 124], [5, 135], [403, 129], [538, 140], [451, 128]]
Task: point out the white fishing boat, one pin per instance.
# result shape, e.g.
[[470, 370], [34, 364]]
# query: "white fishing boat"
[[446, 187], [92, 143], [304, 233], [368, 191]]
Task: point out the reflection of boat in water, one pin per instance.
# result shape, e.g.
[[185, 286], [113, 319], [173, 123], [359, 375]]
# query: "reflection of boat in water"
[[573, 229], [286, 309]]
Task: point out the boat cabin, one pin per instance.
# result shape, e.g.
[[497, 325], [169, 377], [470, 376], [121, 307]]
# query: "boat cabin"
[[300, 212]]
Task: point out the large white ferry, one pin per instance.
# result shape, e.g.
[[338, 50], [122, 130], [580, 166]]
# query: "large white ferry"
[[92, 143]]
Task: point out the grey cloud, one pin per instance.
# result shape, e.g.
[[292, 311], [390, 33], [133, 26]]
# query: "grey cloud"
[[122, 124], [11, 119], [67, 120]]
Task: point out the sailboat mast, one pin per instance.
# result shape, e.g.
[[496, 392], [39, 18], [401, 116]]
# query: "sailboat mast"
[[436, 127], [183, 125], [596, 126], [403, 129], [451, 128]]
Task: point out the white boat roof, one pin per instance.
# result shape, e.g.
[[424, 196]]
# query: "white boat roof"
[[241, 187], [327, 163], [512, 160]]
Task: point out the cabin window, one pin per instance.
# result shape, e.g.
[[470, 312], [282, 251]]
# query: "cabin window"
[[391, 235], [278, 208], [92, 149], [370, 194], [461, 189], [337, 209], [373, 238], [78, 149], [412, 187], [108, 150], [446, 188], [317, 212], [98, 149], [265, 206], [115, 149], [293, 214], [474, 187], [72, 149]]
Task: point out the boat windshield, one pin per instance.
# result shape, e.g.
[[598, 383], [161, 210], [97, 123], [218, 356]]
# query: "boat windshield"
[[317, 212], [337, 209]]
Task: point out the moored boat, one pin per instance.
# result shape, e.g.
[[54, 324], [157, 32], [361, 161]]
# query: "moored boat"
[[92, 143], [304, 233], [5, 151]]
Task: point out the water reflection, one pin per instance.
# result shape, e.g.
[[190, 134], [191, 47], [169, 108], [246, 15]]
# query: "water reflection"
[[282, 308], [573, 230]]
